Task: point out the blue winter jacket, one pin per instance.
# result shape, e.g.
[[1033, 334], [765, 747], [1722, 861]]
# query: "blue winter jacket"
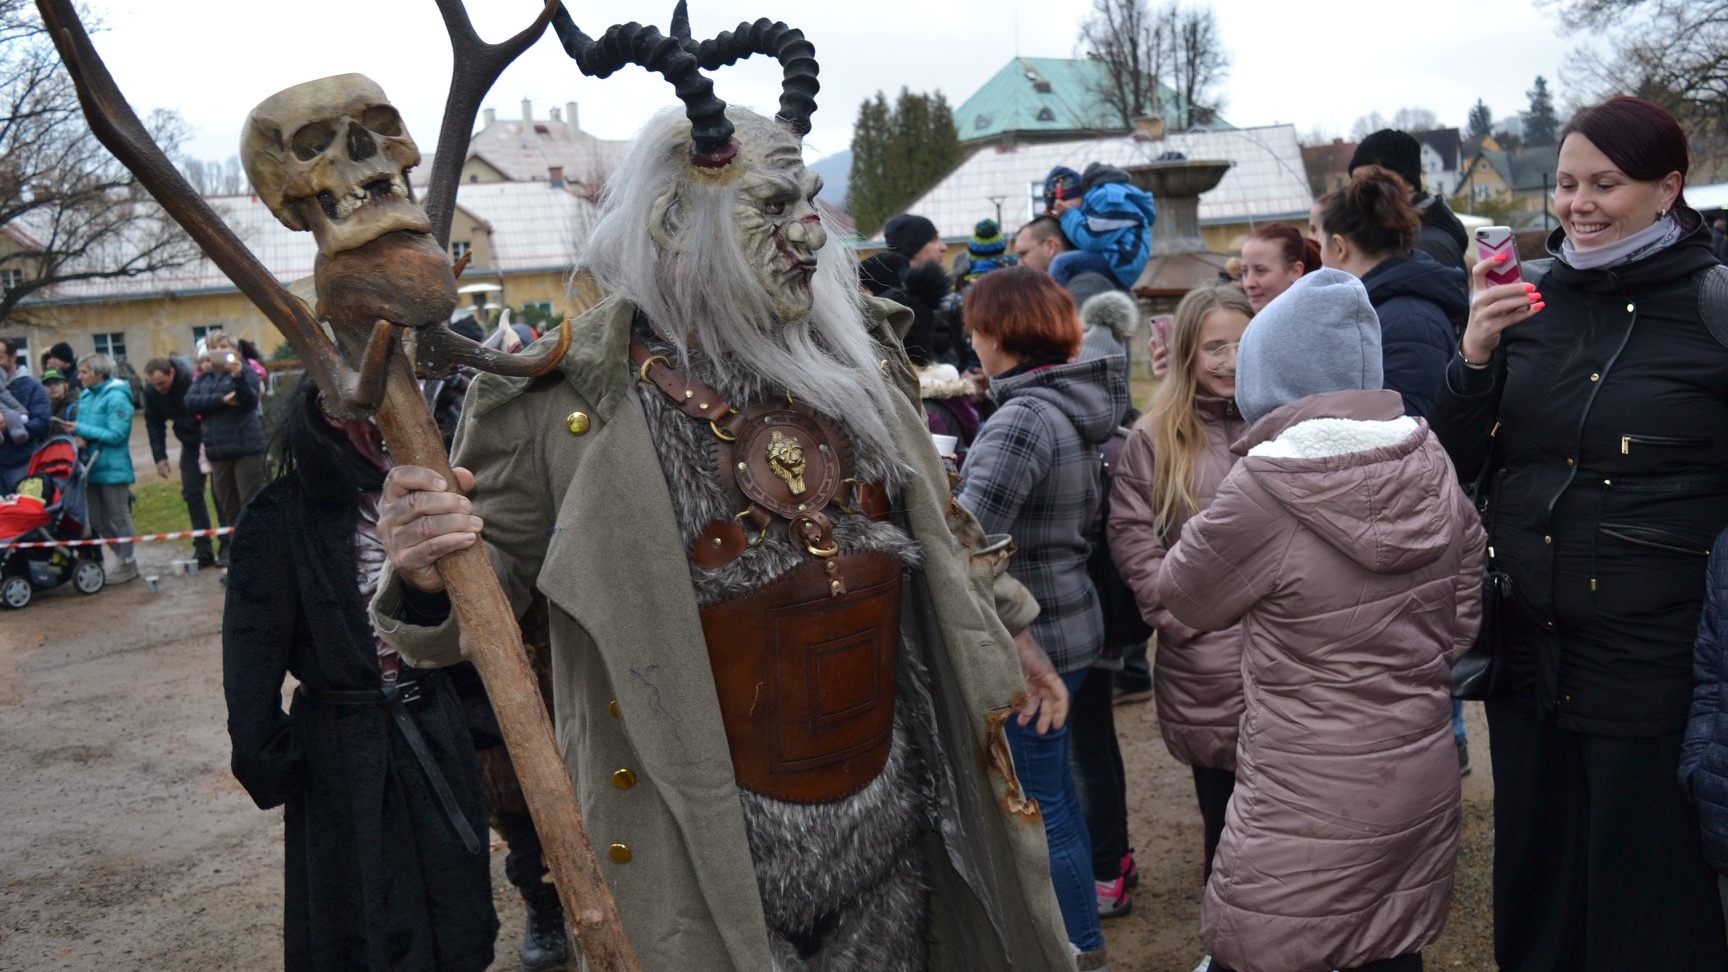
[[1114, 219], [1704, 753], [1416, 299], [105, 421]]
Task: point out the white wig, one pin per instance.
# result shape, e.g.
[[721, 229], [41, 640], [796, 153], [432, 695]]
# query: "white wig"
[[700, 288]]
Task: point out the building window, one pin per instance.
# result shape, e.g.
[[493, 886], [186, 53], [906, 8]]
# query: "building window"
[[539, 306], [460, 248], [11, 278], [1045, 114], [112, 344], [202, 331]]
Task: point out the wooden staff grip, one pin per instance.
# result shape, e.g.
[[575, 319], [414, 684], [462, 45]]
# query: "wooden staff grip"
[[492, 637]]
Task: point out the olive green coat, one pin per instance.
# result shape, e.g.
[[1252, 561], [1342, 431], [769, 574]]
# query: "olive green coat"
[[586, 517]]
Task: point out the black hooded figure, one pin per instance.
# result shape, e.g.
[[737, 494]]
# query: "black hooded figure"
[[386, 864]]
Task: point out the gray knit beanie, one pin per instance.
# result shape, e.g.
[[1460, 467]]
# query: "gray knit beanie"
[[1321, 335]]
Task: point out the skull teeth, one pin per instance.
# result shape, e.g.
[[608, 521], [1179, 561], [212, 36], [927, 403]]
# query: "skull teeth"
[[339, 208]]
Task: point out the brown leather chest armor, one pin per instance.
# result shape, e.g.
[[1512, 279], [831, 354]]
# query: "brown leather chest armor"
[[804, 665]]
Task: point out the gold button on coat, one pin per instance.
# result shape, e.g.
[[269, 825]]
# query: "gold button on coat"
[[624, 779], [577, 423], [620, 853], [612, 707]]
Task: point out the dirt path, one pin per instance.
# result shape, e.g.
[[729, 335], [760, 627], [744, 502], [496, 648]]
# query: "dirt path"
[[127, 844]]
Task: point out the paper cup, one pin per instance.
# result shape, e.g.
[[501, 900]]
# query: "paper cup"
[[945, 444]]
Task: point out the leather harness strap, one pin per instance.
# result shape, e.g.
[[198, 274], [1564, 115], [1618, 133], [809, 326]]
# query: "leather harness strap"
[[776, 462], [804, 665]]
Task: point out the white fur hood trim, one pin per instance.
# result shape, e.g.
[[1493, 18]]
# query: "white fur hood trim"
[[1324, 437]]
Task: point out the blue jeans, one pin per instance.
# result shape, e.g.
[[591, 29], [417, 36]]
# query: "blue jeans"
[[1067, 266], [1042, 765], [1458, 732]]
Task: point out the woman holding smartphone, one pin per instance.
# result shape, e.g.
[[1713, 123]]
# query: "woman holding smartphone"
[[1596, 396]]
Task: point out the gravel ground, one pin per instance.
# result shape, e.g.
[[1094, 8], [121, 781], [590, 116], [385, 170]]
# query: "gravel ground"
[[128, 845]]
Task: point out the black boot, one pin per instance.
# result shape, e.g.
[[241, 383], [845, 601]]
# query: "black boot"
[[543, 945]]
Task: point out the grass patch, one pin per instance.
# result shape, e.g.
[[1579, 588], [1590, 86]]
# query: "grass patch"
[[158, 508]]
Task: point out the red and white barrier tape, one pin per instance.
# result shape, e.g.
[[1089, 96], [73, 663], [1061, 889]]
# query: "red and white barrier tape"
[[147, 538]]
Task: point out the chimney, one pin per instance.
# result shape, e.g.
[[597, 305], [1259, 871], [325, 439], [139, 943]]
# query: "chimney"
[[527, 110], [555, 175], [570, 115], [491, 116], [555, 113]]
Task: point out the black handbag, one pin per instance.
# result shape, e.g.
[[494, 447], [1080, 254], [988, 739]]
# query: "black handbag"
[[1479, 674]]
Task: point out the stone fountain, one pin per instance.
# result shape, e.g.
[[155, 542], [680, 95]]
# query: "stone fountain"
[[1180, 260]]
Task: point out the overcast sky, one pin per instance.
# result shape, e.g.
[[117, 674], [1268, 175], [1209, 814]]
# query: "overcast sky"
[[1320, 64]]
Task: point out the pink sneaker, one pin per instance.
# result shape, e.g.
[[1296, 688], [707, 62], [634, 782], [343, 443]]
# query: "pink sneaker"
[[1114, 899], [1130, 870]]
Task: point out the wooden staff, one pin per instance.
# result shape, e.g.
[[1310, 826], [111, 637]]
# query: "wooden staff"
[[480, 606]]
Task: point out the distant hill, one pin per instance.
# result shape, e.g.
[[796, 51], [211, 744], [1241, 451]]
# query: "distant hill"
[[835, 170]]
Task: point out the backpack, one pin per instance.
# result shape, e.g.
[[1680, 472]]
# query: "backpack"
[[1123, 625]]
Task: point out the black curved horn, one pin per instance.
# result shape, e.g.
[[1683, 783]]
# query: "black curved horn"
[[796, 55], [632, 43]]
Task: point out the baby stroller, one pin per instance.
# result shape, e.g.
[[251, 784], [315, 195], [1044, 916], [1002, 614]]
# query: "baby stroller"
[[48, 507]]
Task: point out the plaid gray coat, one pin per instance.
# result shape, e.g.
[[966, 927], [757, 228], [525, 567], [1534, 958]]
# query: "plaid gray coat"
[[1034, 472]]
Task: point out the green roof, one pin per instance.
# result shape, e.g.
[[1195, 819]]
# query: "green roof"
[[1043, 99]]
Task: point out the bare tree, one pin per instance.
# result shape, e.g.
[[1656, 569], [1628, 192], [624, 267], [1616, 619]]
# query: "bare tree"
[[1200, 64], [68, 210], [1140, 45], [1672, 52], [1134, 45], [1415, 120], [1367, 125]]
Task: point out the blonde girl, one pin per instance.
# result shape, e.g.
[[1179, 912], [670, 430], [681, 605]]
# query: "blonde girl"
[[1174, 460]]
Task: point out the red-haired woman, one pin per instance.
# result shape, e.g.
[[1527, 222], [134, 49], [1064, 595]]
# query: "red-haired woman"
[[1275, 257], [1599, 403], [1033, 473]]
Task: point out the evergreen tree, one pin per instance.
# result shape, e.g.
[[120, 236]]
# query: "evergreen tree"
[[1481, 120], [1540, 122], [897, 153]]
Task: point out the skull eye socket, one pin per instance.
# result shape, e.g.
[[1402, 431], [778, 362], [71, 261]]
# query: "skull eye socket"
[[383, 120], [312, 139]]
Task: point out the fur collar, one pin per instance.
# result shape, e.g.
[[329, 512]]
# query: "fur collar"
[[1320, 438]]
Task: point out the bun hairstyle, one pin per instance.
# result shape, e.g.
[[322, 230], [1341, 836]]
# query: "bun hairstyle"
[[1373, 212], [1293, 247], [1640, 138]]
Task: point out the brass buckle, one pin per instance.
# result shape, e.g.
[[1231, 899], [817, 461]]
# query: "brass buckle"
[[761, 535], [815, 551], [642, 373], [720, 433], [851, 484]]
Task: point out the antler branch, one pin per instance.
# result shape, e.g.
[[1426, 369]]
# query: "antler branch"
[[477, 65], [117, 127]]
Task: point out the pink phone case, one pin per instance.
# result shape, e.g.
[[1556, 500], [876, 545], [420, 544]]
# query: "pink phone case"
[[1489, 246]]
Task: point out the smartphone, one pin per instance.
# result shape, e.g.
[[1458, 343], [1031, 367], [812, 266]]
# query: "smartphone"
[[1492, 241], [228, 357]]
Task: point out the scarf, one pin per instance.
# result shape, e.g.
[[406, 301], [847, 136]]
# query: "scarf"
[[1657, 236]]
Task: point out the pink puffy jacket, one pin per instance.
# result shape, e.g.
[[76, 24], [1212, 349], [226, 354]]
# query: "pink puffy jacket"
[[1354, 564], [1197, 675]]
